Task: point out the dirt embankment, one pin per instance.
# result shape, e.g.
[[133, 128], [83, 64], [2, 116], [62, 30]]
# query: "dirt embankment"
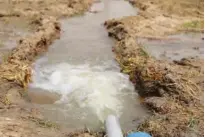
[[15, 72], [157, 18], [172, 91], [33, 8]]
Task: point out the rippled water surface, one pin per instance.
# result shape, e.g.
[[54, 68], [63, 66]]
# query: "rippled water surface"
[[77, 82]]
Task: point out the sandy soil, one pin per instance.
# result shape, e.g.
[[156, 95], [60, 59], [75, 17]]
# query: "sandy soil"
[[171, 90]]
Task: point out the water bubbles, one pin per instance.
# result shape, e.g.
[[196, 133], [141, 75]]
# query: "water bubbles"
[[93, 87]]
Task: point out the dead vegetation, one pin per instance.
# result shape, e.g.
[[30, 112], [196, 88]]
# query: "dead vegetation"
[[157, 18], [32, 8], [15, 70], [170, 90], [43, 14], [17, 67], [188, 8]]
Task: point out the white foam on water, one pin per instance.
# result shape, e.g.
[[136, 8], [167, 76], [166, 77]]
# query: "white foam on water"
[[96, 87], [89, 93]]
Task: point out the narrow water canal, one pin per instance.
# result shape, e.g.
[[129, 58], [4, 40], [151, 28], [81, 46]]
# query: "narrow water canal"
[[77, 82]]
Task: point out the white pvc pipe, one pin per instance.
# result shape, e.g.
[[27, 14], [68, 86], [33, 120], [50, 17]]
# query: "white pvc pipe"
[[112, 127]]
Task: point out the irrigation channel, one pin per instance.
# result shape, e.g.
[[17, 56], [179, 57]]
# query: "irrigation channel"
[[77, 82]]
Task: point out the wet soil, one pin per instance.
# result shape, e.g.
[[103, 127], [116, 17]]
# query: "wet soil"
[[174, 47], [171, 89], [82, 70], [17, 119], [11, 31], [159, 18]]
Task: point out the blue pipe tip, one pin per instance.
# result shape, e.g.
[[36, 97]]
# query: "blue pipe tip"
[[139, 134]]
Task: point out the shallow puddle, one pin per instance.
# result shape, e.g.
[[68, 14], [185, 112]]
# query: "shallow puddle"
[[11, 31], [175, 47], [81, 70]]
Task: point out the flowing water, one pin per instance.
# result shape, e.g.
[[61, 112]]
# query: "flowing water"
[[77, 82]]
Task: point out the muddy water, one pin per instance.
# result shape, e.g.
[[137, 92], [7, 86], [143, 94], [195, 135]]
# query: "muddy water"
[[80, 72], [10, 33], [175, 47]]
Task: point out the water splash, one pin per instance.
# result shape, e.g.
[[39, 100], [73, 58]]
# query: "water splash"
[[92, 87], [80, 67]]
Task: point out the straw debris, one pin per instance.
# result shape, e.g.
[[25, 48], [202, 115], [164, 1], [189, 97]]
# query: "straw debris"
[[170, 90], [17, 68]]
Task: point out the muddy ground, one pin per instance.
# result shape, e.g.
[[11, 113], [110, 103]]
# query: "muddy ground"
[[38, 19], [171, 90]]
